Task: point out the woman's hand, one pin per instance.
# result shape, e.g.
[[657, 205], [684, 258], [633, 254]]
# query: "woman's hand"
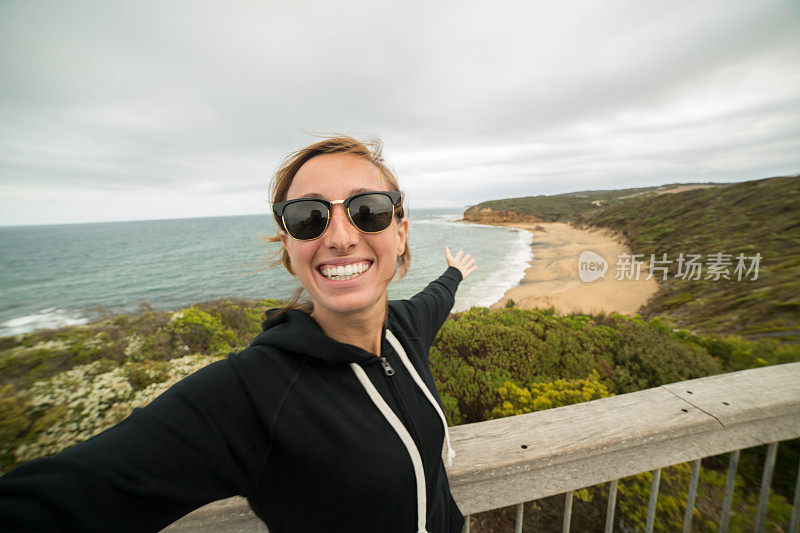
[[462, 262]]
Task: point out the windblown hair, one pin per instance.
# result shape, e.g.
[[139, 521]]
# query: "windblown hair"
[[371, 151]]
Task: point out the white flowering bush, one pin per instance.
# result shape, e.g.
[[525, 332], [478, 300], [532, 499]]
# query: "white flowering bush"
[[133, 347], [177, 370], [53, 345], [60, 387], [72, 406]]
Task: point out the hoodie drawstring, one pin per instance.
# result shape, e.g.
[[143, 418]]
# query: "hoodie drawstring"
[[413, 452], [451, 454], [416, 460]]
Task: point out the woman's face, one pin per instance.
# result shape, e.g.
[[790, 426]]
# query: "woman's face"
[[336, 177]]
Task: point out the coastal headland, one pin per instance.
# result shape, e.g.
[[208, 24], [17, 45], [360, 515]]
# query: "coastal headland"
[[552, 279]]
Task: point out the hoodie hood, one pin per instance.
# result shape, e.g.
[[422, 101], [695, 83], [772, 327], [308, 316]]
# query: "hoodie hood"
[[295, 331]]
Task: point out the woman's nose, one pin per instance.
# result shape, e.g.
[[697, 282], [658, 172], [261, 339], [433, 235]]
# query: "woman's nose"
[[341, 234]]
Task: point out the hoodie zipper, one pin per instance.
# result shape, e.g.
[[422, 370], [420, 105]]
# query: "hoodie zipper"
[[402, 431], [387, 368], [389, 371], [410, 427]]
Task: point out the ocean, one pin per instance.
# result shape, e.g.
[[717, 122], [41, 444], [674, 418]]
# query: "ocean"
[[57, 275]]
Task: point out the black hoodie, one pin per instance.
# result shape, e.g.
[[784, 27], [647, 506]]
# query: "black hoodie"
[[287, 423]]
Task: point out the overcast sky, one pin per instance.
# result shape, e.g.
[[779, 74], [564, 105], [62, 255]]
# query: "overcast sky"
[[115, 110]]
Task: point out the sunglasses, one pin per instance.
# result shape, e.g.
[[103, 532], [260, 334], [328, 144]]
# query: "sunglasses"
[[306, 219]]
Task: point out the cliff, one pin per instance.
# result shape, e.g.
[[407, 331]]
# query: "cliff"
[[486, 215]]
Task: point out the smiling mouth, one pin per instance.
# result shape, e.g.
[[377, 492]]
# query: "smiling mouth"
[[344, 272]]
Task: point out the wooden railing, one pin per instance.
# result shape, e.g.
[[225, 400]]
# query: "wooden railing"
[[510, 461]]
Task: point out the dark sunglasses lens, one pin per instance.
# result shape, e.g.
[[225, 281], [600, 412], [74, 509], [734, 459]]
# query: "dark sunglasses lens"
[[305, 220], [371, 212]]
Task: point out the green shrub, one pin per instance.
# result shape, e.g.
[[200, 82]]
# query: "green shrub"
[[480, 349], [711, 491], [201, 331], [242, 317], [477, 351], [516, 400], [146, 373], [14, 423], [634, 494], [736, 353], [647, 355]]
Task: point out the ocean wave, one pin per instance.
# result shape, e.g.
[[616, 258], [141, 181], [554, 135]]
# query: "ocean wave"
[[50, 318], [458, 220], [476, 225], [487, 291], [451, 218], [440, 220]]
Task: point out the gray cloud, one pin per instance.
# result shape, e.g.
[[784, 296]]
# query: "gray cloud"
[[195, 99]]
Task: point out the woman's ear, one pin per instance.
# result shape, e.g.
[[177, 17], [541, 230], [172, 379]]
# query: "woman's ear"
[[402, 233]]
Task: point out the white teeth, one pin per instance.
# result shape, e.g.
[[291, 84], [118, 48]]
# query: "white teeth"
[[350, 271]]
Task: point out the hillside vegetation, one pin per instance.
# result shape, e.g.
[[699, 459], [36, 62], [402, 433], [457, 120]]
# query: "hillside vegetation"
[[749, 218], [60, 387], [562, 207]]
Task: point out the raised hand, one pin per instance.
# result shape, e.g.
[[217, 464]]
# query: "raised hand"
[[462, 262]]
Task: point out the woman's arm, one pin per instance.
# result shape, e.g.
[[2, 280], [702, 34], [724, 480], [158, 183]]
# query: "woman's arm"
[[429, 308], [198, 442]]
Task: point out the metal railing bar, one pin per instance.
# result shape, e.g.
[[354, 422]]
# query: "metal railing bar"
[[612, 504], [651, 506], [766, 481], [727, 500], [567, 512], [520, 512], [687, 517], [793, 523]]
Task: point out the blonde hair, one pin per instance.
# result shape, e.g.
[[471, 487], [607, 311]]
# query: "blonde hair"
[[370, 150]]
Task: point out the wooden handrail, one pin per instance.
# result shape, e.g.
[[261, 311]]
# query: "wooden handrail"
[[521, 458]]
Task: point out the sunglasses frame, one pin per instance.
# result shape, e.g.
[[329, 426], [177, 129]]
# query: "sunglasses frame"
[[278, 209]]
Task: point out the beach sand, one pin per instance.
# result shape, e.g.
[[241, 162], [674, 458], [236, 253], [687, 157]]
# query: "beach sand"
[[552, 278]]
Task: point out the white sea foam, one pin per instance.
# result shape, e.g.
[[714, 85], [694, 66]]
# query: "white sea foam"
[[485, 292], [450, 218], [49, 318]]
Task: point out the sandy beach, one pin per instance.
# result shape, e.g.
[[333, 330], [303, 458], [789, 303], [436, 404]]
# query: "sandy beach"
[[553, 278]]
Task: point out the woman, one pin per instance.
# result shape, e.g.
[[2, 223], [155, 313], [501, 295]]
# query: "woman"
[[329, 421]]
